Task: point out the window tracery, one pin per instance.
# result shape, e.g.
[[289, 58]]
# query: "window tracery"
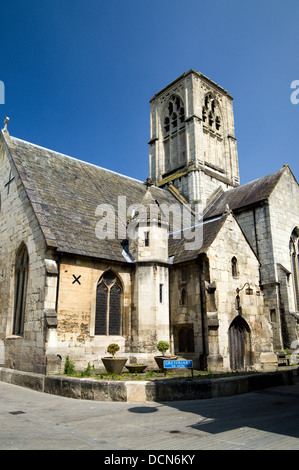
[[175, 117], [174, 134], [210, 113], [21, 279], [108, 319]]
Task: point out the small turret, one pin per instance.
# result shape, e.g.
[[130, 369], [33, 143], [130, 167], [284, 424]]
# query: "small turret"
[[148, 231], [148, 235]]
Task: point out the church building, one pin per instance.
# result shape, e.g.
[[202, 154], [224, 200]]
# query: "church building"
[[90, 257]]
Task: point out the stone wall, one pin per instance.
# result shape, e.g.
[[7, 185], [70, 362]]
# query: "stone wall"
[[18, 225], [268, 228], [145, 316], [256, 225], [210, 303], [144, 391], [185, 310], [75, 333], [230, 243], [284, 217]]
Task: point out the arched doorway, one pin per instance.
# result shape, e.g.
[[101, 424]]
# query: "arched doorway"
[[239, 344]]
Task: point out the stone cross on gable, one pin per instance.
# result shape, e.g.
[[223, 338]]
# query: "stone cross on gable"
[[5, 123]]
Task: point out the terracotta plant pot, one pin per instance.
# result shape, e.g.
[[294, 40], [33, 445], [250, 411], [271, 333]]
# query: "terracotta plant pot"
[[159, 360], [114, 365], [136, 367]]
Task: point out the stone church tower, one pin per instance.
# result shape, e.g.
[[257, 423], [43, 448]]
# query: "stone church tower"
[[192, 138]]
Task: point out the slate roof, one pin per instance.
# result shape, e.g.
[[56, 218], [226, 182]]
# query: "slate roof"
[[208, 231], [246, 195], [65, 192]]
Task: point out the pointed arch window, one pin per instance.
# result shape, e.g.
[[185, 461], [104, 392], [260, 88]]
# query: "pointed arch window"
[[234, 262], [175, 115], [183, 297], [294, 253], [108, 319], [174, 134], [21, 280], [210, 112]]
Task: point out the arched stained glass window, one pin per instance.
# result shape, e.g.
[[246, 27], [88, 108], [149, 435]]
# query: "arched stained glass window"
[[21, 279], [108, 320]]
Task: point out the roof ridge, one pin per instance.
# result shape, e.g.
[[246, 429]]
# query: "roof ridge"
[[261, 177], [246, 194], [76, 159]]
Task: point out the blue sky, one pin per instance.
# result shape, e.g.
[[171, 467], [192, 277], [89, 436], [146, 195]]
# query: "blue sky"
[[79, 74]]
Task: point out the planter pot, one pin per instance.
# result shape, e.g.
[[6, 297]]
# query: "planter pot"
[[114, 365], [136, 367], [159, 360]]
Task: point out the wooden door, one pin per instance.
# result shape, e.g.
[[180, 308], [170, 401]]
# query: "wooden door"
[[238, 344]]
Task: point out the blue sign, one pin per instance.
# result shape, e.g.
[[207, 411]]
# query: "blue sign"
[[178, 364]]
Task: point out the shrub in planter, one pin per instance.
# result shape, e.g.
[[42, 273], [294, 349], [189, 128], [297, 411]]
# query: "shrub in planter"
[[113, 364], [162, 346], [113, 348]]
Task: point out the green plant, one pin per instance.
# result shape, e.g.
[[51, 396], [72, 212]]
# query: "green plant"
[[149, 374], [69, 367], [87, 371], [113, 348], [162, 346]]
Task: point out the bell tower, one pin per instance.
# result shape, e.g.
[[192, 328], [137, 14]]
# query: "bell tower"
[[192, 138]]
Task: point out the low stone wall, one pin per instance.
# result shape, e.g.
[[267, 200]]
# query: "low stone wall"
[[142, 391]]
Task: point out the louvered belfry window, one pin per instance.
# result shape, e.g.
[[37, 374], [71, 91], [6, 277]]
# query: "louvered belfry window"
[[108, 319], [174, 134], [21, 279]]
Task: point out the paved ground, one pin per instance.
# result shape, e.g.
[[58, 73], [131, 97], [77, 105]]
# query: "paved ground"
[[267, 419]]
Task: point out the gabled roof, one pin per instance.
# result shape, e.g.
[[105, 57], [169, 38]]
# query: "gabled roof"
[[179, 248], [246, 195], [65, 192]]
